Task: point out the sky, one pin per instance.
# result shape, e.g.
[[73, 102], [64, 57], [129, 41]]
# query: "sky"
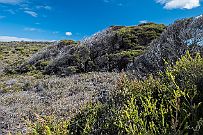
[[48, 20]]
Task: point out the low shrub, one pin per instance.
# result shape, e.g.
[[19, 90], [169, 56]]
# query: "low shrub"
[[67, 42], [168, 104], [140, 35]]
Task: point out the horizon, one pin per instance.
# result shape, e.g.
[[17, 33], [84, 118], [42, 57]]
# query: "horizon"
[[35, 20]]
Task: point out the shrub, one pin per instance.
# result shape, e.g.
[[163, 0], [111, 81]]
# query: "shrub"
[[168, 104], [71, 70], [140, 35], [130, 53], [67, 42], [121, 59], [41, 65], [48, 126]]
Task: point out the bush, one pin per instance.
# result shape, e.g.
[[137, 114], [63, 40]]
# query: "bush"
[[70, 70], [140, 35], [67, 42], [171, 104], [41, 65], [168, 104]]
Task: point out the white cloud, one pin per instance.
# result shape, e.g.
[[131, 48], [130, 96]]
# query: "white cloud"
[[199, 16], [47, 7], [113, 2], [32, 29], [143, 21], [10, 1], [44, 7], [69, 33], [179, 4], [9, 38], [32, 13], [25, 8]]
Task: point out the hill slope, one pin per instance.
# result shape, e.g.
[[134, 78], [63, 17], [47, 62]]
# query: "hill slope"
[[110, 50], [164, 103], [139, 50], [122, 48], [183, 35]]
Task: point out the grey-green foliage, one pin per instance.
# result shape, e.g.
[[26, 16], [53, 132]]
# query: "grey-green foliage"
[[107, 50], [182, 35], [168, 104]]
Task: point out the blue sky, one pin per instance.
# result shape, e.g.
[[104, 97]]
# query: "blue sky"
[[76, 19]]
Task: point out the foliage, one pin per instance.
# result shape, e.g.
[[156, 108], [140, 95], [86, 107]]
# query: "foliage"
[[14, 54], [70, 70], [140, 35], [101, 52], [168, 104], [47, 126], [130, 53], [121, 59], [67, 42]]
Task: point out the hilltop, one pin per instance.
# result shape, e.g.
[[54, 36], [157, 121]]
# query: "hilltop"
[[120, 48], [109, 50]]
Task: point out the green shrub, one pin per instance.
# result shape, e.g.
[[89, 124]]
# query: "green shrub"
[[67, 42], [130, 53], [71, 70], [121, 59], [140, 35], [168, 104], [41, 65], [48, 126], [19, 49]]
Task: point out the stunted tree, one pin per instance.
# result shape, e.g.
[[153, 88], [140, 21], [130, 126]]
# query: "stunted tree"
[[193, 33], [183, 35]]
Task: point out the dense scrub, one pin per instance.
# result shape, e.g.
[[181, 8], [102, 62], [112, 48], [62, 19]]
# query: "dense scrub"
[[168, 104], [26, 94], [140, 36], [160, 92], [182, 35], [23, 96], [110, 50], [138, 49], [13, 54]]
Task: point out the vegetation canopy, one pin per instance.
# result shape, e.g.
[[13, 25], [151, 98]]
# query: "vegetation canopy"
[[125, 80], [168, 104]]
